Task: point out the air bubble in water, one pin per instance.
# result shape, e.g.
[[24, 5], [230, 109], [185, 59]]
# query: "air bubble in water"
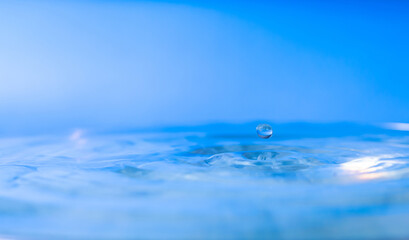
[[264, 131]]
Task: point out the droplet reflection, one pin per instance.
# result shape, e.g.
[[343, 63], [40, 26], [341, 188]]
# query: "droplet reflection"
[[264, 131]]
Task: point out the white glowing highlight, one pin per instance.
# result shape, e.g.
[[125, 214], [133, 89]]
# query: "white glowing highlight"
[[77, 136], [371, 167], [397, 126]]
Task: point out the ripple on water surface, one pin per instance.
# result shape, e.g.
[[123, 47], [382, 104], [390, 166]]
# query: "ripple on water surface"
[[186, 184]]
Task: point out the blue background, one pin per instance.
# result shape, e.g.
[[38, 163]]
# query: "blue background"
[[126, 64]]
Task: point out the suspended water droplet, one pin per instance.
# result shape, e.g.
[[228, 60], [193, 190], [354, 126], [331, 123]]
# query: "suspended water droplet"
[[264, 131]]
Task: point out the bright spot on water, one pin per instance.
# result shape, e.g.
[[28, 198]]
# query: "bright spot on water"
[[264, 131], [397, 126], [77, 137]]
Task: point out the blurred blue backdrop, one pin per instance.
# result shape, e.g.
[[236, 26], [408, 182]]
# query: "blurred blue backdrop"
[[124, 64]]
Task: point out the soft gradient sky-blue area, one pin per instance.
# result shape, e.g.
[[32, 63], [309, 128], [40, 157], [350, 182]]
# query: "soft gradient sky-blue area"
[[124, 64]]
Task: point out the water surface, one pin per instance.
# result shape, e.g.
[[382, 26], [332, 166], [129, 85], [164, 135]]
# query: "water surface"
[[309, 181]]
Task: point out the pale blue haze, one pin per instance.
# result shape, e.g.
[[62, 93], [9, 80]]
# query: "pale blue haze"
[[131, 64]]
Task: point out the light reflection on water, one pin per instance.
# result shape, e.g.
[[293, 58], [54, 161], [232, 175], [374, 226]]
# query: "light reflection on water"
[[197, 184]]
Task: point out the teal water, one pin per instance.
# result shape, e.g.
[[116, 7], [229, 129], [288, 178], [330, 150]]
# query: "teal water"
[[308, 181]]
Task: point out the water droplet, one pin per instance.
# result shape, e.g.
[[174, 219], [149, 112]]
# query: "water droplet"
[[264, 131]]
